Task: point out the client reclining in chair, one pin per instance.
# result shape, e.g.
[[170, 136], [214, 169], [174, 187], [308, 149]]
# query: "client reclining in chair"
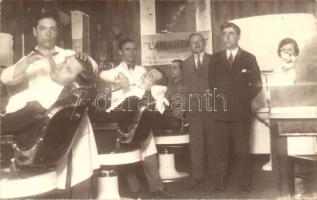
[[173, 119], [25, 108], [45, 130], [45, 84], [135, 107]]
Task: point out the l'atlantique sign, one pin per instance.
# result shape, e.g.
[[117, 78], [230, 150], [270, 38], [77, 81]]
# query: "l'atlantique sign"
[[161, 49]]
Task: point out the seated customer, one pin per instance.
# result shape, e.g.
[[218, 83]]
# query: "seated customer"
[[174, 115], [126, 102], [25, 111], [25, 107]]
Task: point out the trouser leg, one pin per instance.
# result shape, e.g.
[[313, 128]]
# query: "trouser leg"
[[241, 133], [133, 182], [197, 147], [219, 141], [151, 170]]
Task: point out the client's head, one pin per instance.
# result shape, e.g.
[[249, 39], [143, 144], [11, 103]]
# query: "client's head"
[[71, 69], [176, 69], [154, 76]]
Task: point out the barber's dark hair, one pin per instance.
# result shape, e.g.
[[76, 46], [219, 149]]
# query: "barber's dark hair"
[[286, 41], [198, 34], [180, 62], [124, 41], [164, 80], [43, 14], [230, 24]]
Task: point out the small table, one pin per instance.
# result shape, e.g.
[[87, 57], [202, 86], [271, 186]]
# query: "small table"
[[26, 187], [167, 170], [108, 181], [288, 122]]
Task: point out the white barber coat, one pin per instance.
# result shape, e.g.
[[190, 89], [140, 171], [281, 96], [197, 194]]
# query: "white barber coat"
[[43, 89], [148, 147]]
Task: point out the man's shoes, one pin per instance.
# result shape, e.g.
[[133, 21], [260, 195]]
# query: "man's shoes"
[[194, 183], [211, 190], [163, 194], [245, 189]]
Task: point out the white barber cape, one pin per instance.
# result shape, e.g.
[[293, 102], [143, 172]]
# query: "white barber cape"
[[148, 147], [44, 90]]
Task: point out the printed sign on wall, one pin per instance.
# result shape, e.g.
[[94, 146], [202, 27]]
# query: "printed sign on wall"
[[161, 49]]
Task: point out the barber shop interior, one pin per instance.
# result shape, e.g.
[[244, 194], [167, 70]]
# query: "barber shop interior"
[[158, 99]]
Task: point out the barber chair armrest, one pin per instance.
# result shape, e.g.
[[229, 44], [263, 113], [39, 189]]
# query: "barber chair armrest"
[[7, 139], [127, 137], [105, 126]]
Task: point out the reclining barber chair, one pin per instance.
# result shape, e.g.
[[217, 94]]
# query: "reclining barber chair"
[[117, 150], [29, 158], [170, 135]]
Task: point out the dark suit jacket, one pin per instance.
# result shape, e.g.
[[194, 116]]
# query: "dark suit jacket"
[[196, 83], [238, 84]]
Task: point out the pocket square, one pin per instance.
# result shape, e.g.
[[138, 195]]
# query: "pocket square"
[[244, 70]]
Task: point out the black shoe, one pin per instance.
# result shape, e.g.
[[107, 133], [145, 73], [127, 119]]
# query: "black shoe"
[[245, 189], [194, 183], [211, 190], [162, 194]]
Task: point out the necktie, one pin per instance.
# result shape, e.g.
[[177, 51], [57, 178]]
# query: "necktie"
[[198, 62], [230, 60]]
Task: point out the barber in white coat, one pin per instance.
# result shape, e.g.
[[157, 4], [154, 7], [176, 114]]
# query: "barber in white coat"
[[127, 74]]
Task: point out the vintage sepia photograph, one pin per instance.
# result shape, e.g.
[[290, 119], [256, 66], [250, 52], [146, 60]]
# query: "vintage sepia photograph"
[[158, 99]]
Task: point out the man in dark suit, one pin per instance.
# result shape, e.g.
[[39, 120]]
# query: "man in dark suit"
[[195, 74], [234, 78]]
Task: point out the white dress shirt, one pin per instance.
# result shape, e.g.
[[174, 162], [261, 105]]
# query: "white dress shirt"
[[201, 57], [233, 52], [134, 75]]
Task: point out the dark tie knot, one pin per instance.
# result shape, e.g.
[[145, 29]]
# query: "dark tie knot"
[[230, 59]]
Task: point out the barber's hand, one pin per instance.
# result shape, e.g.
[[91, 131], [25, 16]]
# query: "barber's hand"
[[88, 67], [82, 56], [33, 56], [123, 80]]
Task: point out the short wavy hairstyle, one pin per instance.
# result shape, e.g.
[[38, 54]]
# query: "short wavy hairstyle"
[[232, 25], [286, 41]]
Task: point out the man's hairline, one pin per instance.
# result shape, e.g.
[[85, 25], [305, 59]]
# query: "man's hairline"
[[120, 49], [232, 28], [37, 23]]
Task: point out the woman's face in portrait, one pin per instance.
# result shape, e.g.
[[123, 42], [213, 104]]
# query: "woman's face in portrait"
[[287, 53]]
